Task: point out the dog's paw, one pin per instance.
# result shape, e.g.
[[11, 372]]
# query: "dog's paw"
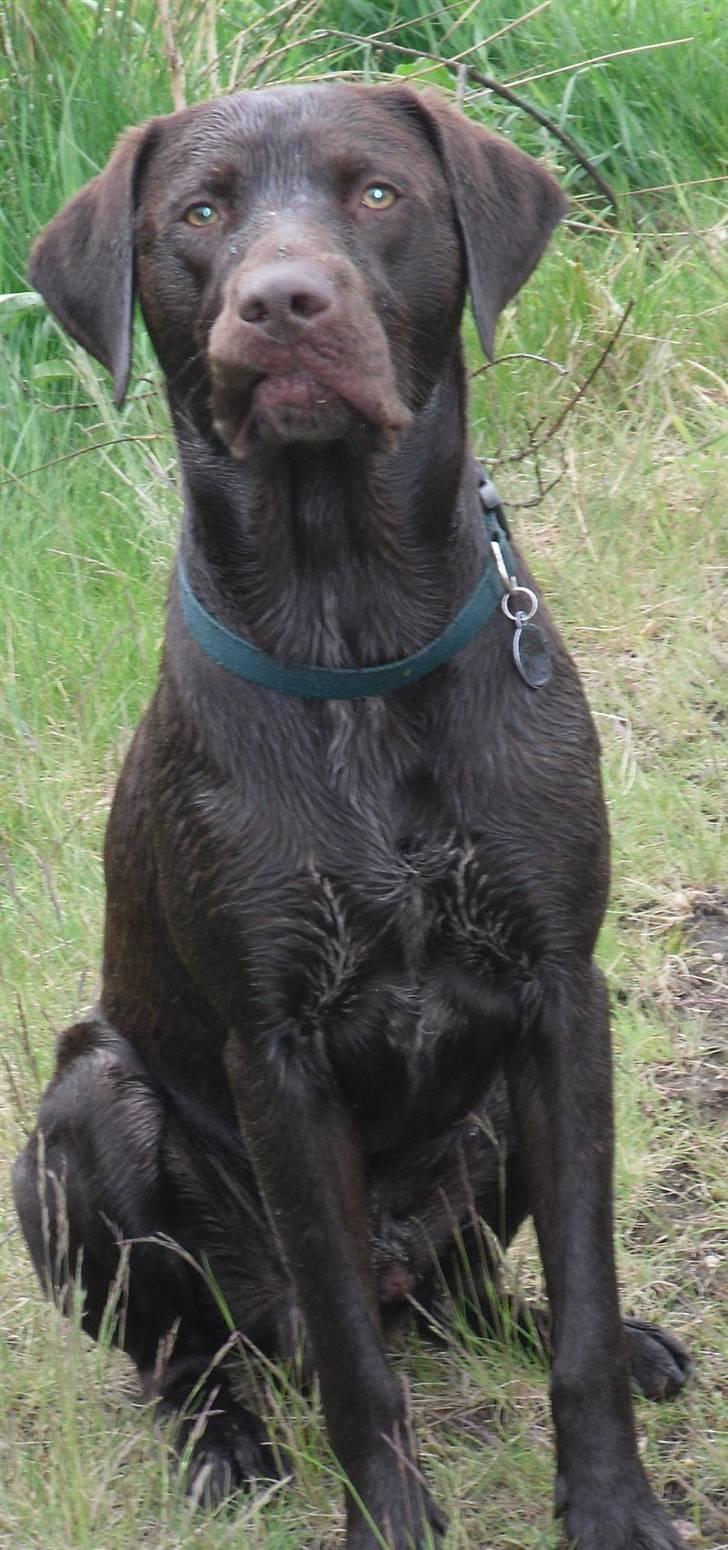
[[616, 1520], [399, 1503], [660, 1365], [400, 1528], [224, 1454]]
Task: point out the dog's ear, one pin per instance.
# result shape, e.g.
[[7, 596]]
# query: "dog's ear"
[[506, 203], [83, 261]]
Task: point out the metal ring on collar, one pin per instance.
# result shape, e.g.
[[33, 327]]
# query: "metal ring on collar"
[[520, 616]]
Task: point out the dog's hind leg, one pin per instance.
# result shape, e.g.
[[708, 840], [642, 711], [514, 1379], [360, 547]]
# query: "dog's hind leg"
[[151, 1209], [483, 1197], [659, 1363]]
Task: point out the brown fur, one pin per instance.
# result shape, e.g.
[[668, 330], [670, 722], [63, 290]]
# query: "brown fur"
[[349, 1004]]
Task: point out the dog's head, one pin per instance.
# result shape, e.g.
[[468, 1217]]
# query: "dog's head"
[[300, 254]]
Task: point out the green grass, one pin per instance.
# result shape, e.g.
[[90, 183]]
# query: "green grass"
[[629, 545]]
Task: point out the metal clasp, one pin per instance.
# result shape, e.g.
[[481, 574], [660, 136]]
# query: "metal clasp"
[[509, 582]]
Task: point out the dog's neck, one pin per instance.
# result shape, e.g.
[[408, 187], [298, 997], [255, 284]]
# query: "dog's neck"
[[341, 555]]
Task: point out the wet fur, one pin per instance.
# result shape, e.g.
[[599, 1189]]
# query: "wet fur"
[[349, 1006]]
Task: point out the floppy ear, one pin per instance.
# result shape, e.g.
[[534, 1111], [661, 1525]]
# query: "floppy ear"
[[83, 262], [506, 203]]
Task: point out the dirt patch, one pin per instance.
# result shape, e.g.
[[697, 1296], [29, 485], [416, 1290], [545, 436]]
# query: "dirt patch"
[[712, 1526], [694, 978], [694, 985], [702, 1083], [706, 957]]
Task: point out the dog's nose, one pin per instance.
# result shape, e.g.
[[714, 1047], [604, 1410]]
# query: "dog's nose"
[[283, 299]]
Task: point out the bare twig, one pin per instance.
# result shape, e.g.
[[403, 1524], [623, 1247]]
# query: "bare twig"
[[42, 403], [586, 384], [174, 58], [518, 355], [543, 491], [536, 440], [489, 83], [95, 446]]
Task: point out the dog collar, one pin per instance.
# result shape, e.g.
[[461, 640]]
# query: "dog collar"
[[247, 661]]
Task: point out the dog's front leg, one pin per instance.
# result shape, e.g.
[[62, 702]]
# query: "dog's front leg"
[[560, 1085], [308, 1162]]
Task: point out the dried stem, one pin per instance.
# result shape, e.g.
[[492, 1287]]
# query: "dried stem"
[[597, 59], [174, 58], [517, 21], [571, 470], [292, 24], [211, 30]]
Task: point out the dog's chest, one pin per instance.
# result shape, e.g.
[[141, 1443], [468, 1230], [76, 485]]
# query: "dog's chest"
[[399, 933], [413, 978]]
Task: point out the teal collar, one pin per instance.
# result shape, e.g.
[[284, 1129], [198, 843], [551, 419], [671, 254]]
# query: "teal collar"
[[239, 656]]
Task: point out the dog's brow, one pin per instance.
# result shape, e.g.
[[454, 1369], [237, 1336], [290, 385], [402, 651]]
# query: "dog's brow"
[[221, 177]]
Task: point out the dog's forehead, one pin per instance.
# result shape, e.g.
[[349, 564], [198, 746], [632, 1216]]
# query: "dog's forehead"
[[293, 127]]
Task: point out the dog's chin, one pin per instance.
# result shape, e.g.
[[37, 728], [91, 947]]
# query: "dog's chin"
[[280, 410]]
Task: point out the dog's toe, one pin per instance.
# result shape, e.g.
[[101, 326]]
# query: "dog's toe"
[[659, 1363], [231, 1453], [617, 1518]]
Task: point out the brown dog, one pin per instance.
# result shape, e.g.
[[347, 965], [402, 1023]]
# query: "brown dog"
[[348, 983]]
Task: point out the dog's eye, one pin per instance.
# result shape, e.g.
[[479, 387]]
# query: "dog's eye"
[[200, 215], [378, 196]]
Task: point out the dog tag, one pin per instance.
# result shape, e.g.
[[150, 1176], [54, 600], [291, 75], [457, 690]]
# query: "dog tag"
[[532, 654]]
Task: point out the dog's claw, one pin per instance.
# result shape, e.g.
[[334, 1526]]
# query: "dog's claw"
[[659, 1363], [399, 1533], [631, 1519], [232, 1452]]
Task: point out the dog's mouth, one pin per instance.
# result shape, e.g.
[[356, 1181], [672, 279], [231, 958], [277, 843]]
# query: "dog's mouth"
[[296, 406], [300, 404], [283, 407]]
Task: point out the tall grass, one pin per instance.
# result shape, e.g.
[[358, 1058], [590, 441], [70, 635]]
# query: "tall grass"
[[629, 544], [75, 74]]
